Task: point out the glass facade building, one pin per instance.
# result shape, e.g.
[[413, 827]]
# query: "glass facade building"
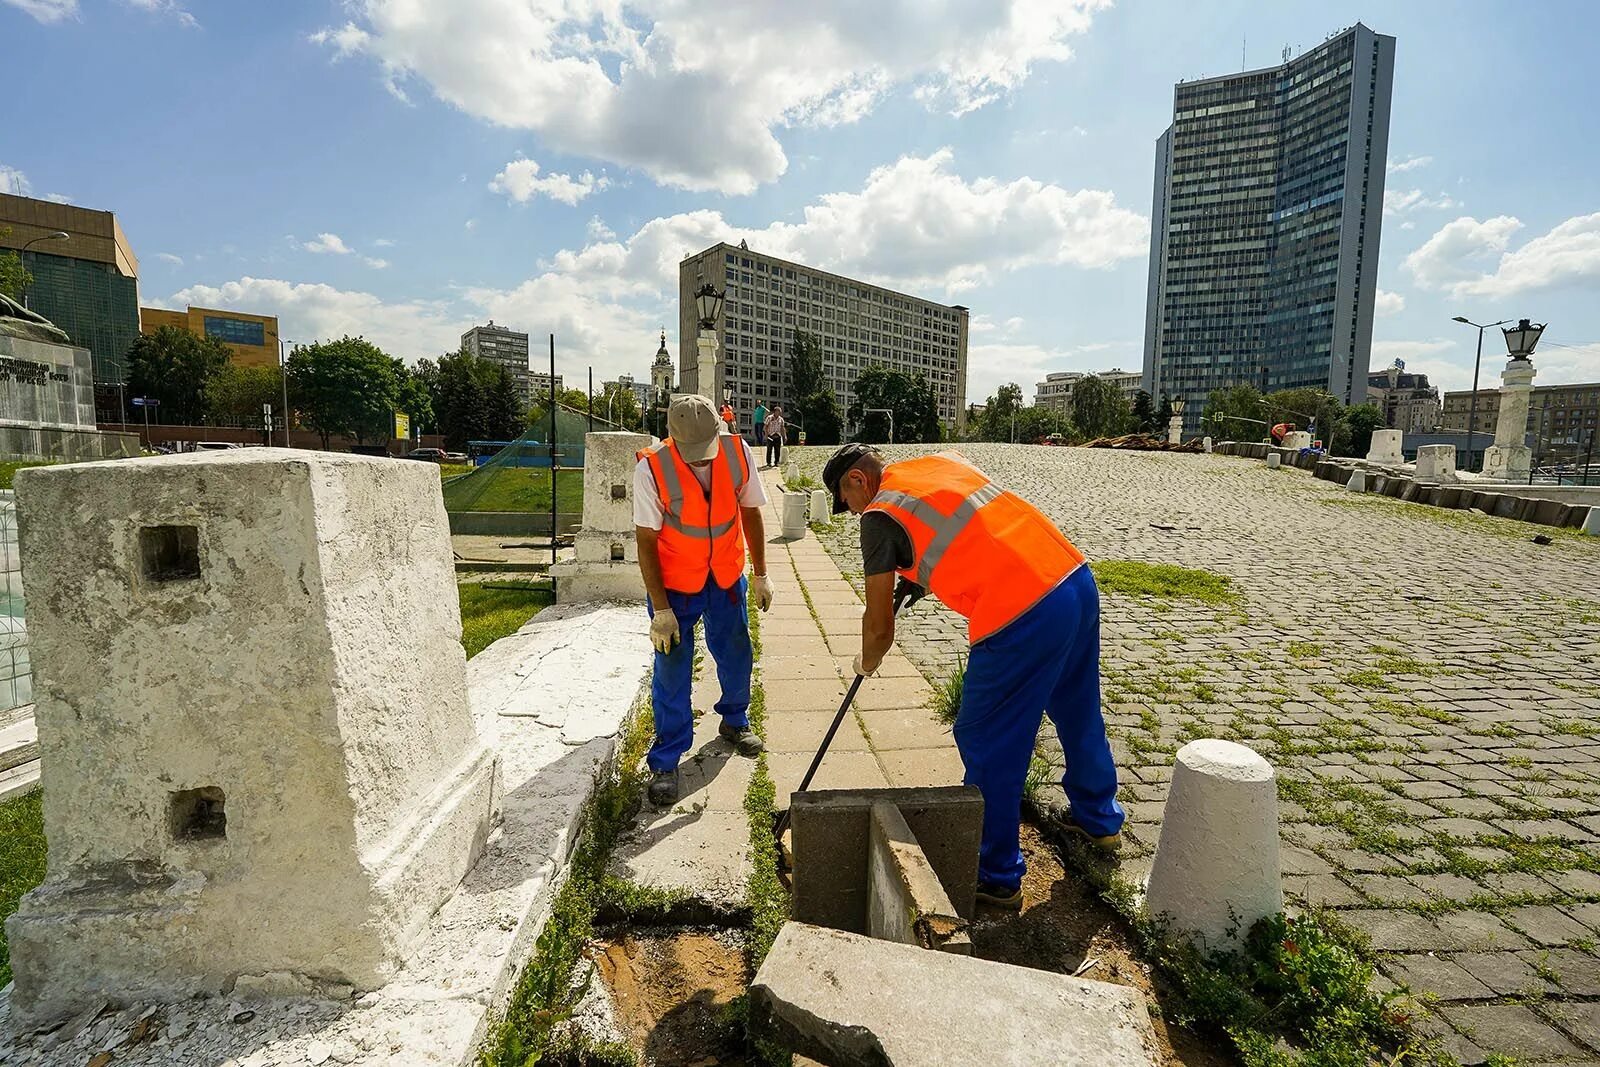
[[1267, 210], [93, 302]]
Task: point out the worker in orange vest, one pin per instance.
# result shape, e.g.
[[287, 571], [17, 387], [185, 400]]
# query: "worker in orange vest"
[[728, 416], [696, 502], [1033, 621]]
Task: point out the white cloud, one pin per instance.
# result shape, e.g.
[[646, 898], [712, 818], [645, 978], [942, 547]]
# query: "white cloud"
[[1402, 201], [472, 224], [168, 257], [1389, 303], [15, 182], [330, 243], [1560, 364], [165, 7], [520, 181], [46, 11], [374, 262], [1448, 363], [1426, 357], [692, 93], [58, 198], [383, 242], [1471, 258], [1409, 163], [991, 365], [1452, 255], [598, 230]]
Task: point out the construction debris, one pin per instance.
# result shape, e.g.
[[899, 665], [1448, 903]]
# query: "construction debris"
[[1145, 442]]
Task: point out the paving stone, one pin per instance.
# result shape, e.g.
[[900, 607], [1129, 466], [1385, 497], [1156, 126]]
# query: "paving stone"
[[1504, 972], [890, 693], [1546, 925], [785, 698], [803, 731], [1475, 931], [1394, 931], [1510, 1029], [909, 767], [906, 728], [839, 770], [1577, 973], [1424, 971]]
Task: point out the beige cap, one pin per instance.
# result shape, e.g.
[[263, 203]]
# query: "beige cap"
[[693, 425]]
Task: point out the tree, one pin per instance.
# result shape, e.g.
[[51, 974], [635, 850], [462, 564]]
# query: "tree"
[[1362, 420], [1235, 414], [235, 395], [14, 277], [348, 387], [1098, 408], [1310, 409], [473, 399], [1037, 422], [539, 413], [805, 365], [618, 404], [909, 397], [815, 407], [1145, 419], [999, 413], [175, 367]]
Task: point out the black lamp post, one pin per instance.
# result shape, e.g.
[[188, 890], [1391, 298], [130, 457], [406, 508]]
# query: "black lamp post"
[[1472, 412]]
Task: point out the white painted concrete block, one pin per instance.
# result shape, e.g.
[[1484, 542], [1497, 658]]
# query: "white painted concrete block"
[[1591, 522], [821, 506], [1436, 463], [794, 516], [1216, 866], [1385, 447], [1274, 461], [1297, 439], [1357, 482], [271, 767], [605, 549]]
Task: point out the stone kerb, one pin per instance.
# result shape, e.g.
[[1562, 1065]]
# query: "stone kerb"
[[1216, 865], [273, 770], [606, 557], [905, 900]]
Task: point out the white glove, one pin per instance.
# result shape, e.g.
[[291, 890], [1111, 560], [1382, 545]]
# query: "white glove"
[[664, 630], [762, 589], [857, 667]]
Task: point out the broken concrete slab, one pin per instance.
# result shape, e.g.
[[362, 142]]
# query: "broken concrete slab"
[[905, 900], [853, 1001], [832, 838]]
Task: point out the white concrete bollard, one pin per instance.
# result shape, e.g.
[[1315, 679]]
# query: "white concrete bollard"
[[1591, 523], [1205, 443], [1216, 866], [1436, 463], [794, 516], [1386, 445], [1274, 461], [1357, 482], [821, 506]]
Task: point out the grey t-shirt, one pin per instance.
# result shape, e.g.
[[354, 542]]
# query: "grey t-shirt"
[[885, 545]]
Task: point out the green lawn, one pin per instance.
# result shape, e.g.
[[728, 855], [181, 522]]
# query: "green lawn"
[[489, 611], [514, 489], [21, 861], [9, 471]]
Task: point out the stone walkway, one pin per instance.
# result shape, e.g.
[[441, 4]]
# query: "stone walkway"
[[1427, 684], [809, 639]]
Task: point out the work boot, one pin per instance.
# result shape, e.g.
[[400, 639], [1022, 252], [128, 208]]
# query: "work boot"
[[743, 739], [996, 896], [664, 788], [1110, 843]]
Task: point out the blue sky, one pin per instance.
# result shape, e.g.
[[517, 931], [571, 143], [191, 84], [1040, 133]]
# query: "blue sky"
[[404, 170]]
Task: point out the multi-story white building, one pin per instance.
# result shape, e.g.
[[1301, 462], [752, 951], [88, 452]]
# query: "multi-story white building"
[[539, 384], [1056, 389], [504, 346], [859, 325]]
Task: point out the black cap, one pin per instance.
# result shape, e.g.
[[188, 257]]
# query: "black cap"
[[838, 464]]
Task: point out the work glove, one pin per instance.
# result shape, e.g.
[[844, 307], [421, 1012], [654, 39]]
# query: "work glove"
[[761, 589], [856, 666], [908, 589], [664, 630]]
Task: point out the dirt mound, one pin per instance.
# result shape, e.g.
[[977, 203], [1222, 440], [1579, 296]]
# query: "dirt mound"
[[671, 990]]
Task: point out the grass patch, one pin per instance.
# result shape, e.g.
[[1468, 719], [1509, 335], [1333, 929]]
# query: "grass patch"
[[801, 483], [1161, 580], [9, 471], [22, 854], [490, 611], [1305, 649], [947, 694], [534, 1028], [513, 489]]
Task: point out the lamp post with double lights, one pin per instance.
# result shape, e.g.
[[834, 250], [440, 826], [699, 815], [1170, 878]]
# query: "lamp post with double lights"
[[59, 235]]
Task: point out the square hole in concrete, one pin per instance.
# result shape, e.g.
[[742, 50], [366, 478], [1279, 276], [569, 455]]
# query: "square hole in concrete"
[[199, 814], [169, 553], [619, 492], [617, 553]]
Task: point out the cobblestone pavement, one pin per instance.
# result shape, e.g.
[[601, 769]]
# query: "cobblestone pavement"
[[1427, 684]]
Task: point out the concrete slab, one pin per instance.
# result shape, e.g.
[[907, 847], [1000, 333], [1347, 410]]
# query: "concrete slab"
[[705, 855], [885, 693], [821, 694], [910, 767], [831, 839], [802, 731], [839, 770], [778, 667], [905, 901], [850, 1000], [906, 728], [894, 665]]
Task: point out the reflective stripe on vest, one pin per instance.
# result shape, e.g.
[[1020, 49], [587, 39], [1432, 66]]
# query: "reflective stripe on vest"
[[674, 508], [946, 528]]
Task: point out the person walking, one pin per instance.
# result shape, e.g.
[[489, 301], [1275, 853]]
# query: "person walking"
[[758, 423], [775, 428], [696, 505], [938, 524]]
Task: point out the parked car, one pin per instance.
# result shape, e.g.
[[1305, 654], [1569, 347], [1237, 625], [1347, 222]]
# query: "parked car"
[[432, 455], [457, 457], [215, 446]]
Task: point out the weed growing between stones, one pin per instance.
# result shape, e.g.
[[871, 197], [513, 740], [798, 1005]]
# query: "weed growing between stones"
[[534, 1028], [1161, 580], [946, 699]]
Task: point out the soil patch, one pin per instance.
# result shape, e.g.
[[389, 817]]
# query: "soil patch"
[[671, 989], [1062, 925]]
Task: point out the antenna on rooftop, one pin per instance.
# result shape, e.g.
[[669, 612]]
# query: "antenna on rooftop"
[[1286, 53], [1242, 39]]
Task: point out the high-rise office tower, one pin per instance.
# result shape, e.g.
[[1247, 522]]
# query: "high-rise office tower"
[[508, 348], [1265, 224]]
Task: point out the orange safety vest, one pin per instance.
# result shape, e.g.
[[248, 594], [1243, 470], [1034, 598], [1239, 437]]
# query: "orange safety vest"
[[701, 535], [985, 553]]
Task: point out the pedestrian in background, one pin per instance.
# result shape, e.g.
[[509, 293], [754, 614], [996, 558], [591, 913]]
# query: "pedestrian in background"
[[758, 423], [775, 429]]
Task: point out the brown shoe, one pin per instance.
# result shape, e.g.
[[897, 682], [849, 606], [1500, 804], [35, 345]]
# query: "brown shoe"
[[995, 896], [1111, 843]]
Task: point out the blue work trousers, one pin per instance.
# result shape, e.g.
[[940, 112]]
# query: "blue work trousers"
[[728, 640], [1046, 661]]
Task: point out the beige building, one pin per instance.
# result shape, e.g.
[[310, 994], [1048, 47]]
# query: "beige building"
[[252, 339], [1406, 399], [1559, 415], [859, 325]]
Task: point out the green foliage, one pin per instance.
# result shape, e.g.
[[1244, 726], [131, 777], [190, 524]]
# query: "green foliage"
[[996, 422], [1161, 580], [1362, 419], [1098, 408], [1235, 414], [175, 367], [805, 365], [471, 399], [573, 400], [8, 471], [22, 854], [490, 612], [1035, 423], [1143, 416], [509, 488], [618, 405], [817, 409], [1304, 649], [947, 694], [236, 393], [350, 387], [14, 277], [1305, 408], [910, 397]]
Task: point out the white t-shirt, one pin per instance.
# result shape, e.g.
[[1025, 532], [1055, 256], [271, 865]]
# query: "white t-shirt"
[[647, 508]]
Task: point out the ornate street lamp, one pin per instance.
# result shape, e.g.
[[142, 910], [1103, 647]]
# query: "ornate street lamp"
[[708, 302], [1177, 406], [1521, 338]]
